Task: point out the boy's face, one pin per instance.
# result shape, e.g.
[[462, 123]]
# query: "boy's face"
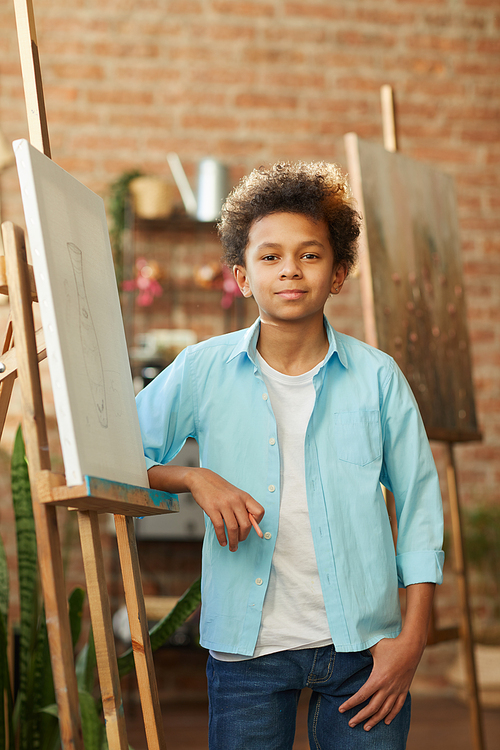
[[289, 267]]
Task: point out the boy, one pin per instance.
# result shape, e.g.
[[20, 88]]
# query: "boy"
[[297, 426]]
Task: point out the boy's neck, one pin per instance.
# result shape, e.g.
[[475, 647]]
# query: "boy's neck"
[[293, 348]]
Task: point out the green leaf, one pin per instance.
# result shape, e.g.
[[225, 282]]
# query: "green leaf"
[[92, 726], [28, 590], [116, 209], [167, 626], [51, 710], [45, 728], [5, 691], [76, 600], [86, 665], [6, 725], [4, 582]]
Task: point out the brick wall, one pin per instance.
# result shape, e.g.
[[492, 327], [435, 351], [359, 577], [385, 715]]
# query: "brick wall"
[[252, 82]]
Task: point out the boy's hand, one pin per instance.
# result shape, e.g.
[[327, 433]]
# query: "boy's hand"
[[394, 663], [227, 506]]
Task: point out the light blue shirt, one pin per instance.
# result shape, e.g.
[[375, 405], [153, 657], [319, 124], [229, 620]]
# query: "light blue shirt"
[[365, 429]]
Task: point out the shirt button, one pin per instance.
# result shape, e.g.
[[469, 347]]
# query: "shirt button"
[[267, 535], [272, 441], [259, 581], [271, 488], [265, 396]]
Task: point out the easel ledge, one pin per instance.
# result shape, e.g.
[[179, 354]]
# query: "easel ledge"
[[103, 496]]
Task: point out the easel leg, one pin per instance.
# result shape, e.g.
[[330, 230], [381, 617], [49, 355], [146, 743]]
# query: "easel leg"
[[7, 384], [465, 618], [102, 625], [35, 436], [143, 655]]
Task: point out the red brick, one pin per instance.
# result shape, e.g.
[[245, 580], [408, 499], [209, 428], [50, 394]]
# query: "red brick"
[[383, 17], [73, 116], [236, 7], [441, 43], [225, 76], [147, 73], [132, 98], [480, 136], [209, 122], [60, 93], [477, 68], [301, 35], [107, 49], [266, 101], [75, 71], [443, 154], [231, 32], [315, 10], [354, 83], [358, 39], [296, 80], [103, 143], [272, 55], [482, 3]]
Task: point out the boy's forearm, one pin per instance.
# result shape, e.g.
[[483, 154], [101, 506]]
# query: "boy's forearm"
[[419, 598], [174, 479]]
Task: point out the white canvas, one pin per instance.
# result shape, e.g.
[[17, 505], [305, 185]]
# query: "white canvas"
[[82, 322]]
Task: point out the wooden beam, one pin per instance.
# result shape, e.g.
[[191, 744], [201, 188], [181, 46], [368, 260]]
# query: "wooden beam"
[[366, 279], [32, 76], [4, 287], [388, 118], [37, 451], [107, 666], [104, 496], [141, 644], [465, 617]]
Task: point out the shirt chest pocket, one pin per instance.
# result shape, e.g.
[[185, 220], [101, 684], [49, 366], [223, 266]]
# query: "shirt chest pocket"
[[358, 436]]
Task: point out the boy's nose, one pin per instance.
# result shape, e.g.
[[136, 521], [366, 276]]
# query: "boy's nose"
[[290, 270]]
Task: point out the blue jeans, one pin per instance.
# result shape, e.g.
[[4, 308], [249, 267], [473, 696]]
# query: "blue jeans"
[[253, 703]]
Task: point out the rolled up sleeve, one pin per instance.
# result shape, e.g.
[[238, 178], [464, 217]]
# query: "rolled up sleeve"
[[409, 472]]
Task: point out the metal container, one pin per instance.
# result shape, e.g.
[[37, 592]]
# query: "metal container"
[[212, 189]]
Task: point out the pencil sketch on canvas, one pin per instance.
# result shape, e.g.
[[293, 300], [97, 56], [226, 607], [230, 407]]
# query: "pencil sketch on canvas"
[[88, 338]]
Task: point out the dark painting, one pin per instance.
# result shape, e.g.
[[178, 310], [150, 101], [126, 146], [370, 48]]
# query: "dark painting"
[[413, 239]]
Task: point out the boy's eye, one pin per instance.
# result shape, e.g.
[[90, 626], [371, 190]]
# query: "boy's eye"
[[309, 256], [270, 257]]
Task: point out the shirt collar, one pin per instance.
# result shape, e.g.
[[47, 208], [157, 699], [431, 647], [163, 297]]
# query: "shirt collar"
[[248, 344]]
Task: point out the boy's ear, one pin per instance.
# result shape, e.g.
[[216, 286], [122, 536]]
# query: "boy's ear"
[[338, 279], [240, 274]]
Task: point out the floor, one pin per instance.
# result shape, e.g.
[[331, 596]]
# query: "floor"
[[437, 724]]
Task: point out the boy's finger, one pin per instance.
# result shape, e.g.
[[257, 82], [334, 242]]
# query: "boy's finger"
[[255, 509], [377, 716], [256, 526], [363, 694], [367, 712], [233, 533], [395, 709], [219, 529]]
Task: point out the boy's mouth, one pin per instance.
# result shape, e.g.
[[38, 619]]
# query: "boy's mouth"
[[291, 293]]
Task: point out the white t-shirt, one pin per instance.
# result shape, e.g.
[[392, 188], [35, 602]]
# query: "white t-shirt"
[[293, 615]]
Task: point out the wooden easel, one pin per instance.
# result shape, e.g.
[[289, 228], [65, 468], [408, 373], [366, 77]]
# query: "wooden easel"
[[49, 490], [435, 635]]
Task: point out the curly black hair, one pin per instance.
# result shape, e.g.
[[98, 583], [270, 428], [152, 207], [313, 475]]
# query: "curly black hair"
[[318, 190]]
